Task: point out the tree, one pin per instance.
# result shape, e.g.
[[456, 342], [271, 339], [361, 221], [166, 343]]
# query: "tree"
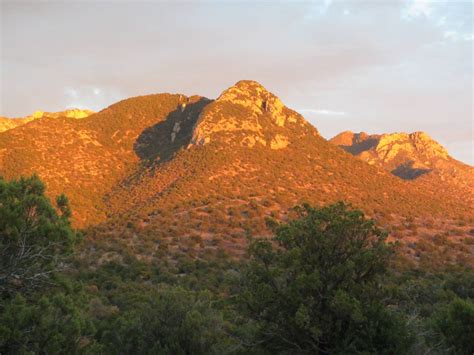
[[49, 324], [34, 238], [456, 323], [318, 286], [166, 320]]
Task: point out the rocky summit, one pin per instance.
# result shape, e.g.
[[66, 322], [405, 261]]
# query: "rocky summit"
[[249, 113], [407, 155], [412, 156]]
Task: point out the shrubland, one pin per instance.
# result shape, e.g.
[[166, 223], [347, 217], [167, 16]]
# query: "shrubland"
[[327, 280]]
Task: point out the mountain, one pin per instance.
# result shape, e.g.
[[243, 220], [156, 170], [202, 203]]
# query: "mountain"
[[9, 123], [85, 158], [170, 166], [411, 156]]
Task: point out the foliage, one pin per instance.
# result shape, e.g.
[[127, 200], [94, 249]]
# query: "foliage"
[[34, 237], [322, 285], [456, 323], [53, 324], [319, 289], [166, 320]]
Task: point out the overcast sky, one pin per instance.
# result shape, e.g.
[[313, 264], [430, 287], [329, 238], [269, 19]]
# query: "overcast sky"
[[374, 66]]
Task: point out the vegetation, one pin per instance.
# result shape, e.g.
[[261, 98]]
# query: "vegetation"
[[35, 237], [320, 289], [327, 283]]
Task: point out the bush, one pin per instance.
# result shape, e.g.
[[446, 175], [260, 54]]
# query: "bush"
[[320, 288], [456, 323]]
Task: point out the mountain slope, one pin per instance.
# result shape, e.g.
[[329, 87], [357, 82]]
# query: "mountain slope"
[[178, 165], [85, 158], [232, 175]]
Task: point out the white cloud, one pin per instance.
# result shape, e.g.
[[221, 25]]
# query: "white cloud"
[[469, 37], [453, 19], [90, 97], [71, 93], [456, 36], [316, 9], [322, 112], [450, 34], [417, 8]]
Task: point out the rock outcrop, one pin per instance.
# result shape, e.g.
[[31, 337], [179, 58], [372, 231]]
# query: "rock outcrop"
[[411, 156], [250, 114], [407, 155]]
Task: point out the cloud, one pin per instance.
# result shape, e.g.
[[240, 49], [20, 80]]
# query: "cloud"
[[323, 112], [93, 97], [316, 9], [416, 8], [453, 20], [456, 36], [71, 93], [388, 66]]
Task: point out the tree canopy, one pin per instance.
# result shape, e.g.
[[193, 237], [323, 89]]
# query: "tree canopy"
[[318, 286], [34, 236]]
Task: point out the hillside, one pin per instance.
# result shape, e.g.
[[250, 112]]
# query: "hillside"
[[172, 167], [83, 158]]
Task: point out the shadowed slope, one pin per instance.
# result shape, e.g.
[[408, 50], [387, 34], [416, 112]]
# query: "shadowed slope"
[[85, 158], [162, 140]]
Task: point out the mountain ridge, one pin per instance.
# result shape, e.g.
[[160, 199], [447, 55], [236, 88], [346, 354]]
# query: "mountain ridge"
[[190, 166]]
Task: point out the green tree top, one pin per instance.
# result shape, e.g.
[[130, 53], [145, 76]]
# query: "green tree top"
[[317, 287], [34, 237]]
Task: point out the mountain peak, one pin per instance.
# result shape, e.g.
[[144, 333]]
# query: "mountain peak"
[[254, 96], [407, 155], [249, 113], [244, 88]]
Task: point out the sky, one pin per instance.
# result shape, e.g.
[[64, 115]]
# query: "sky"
[[377, 66]]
